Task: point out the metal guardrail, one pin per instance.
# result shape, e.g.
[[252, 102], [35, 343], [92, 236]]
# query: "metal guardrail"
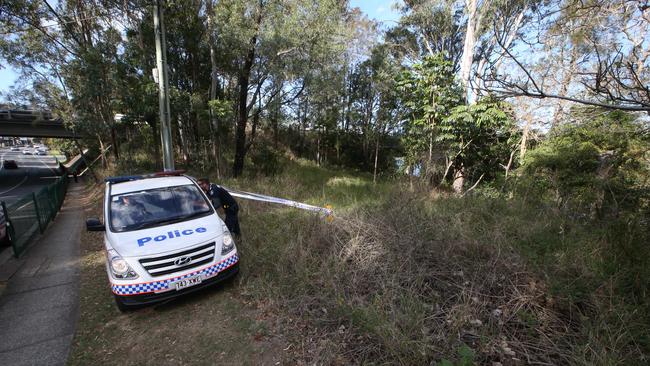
[[31, 213]]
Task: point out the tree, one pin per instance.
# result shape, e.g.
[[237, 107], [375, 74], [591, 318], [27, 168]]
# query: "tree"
[[428, 28], [475, 141], [430, 93], [598, 164], [77, 52], [606, 41], [483, 140]]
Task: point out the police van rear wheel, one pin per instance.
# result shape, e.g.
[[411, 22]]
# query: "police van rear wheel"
[[120, 304]]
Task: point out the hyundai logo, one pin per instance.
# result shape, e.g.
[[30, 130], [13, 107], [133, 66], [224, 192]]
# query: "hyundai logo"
[[182, 261]]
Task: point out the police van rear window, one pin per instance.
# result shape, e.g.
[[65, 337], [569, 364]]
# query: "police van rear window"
[[156, 207]]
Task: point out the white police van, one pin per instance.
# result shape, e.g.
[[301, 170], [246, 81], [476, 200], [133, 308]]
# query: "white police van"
[[163, 238]]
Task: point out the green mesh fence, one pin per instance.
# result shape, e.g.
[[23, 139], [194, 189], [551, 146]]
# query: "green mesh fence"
[[31, 214]]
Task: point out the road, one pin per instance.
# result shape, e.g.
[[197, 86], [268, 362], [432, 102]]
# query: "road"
[[33, 173], [40, 305]]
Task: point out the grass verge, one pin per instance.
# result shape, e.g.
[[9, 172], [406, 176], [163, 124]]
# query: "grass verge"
[[401, 278]]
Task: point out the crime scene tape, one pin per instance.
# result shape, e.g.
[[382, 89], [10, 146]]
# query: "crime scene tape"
[[327, 210]]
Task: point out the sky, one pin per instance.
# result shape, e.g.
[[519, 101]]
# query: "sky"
[[381, 10], [7, 78]]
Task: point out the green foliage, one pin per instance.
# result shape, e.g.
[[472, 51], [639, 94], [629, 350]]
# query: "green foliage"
[[267, 161], [483, 137], [66, 146], [598, 165], [429, 94], [221, 108], [469, 140]]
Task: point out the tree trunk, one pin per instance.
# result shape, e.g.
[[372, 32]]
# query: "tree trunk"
[[214, 83], [473, 25], [509, 165], [114, 142], [338, 148], [524, 137], [564, 87], [318, 148], [480, 69], [183, 140], [256, 119], [103, 155], [150, 118], [244, 78], [459, 180], [242, 120], [374, 174], [428, 171]]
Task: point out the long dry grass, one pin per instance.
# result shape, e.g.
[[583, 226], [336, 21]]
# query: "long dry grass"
[[405, 277]]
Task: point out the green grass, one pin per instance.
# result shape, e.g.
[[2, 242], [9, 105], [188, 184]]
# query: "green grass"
[[401, 278]]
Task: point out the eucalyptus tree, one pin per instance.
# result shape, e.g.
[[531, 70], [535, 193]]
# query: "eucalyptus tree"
[[274, 47], [429, 27], [472, 34], [598, 48], [73, 46]]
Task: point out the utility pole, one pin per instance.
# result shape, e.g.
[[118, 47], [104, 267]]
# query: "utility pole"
[[163, 86]]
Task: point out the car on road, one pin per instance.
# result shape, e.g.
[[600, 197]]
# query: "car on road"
[[41, 152], [28, 152], [9, 164], [15, 148], [163, 238]]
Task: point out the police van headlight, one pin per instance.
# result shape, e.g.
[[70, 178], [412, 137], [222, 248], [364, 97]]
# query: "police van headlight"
[[228, 243], [120, 269]]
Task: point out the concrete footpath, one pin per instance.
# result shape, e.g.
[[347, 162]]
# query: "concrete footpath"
[[40, 304]]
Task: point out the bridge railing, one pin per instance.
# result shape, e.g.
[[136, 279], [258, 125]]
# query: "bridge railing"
[[31, 213]]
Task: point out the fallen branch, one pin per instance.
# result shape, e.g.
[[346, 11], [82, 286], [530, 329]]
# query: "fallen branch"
[[474, 186]]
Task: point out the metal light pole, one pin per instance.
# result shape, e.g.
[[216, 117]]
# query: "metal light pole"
[[163, 87]]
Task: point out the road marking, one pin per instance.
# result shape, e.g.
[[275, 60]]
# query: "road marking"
[[23, 206], [42, 162], [14, 187]]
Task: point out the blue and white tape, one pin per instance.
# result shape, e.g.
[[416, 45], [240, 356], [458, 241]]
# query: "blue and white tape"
[[259, 197]]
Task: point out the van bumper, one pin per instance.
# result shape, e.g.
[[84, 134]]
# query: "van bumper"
[[150, 298]]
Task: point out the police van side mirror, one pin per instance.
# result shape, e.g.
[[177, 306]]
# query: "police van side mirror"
[[93, 224]]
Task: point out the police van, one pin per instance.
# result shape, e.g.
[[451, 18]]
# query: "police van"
[[163, 238]]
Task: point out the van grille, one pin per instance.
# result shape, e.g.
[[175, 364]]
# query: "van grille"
[[159, 266]]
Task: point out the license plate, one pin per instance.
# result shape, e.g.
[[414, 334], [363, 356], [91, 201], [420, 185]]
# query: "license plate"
[[188, 282]]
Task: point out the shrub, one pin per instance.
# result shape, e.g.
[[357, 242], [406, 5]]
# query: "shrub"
[[598, 166], [267, 160]]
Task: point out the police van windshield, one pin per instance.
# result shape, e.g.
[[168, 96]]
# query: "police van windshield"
[[156, 207]]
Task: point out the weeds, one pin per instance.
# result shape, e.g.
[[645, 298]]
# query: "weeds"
[[403, 278]]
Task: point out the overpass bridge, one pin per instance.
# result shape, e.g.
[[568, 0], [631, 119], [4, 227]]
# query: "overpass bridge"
[[31, 123]]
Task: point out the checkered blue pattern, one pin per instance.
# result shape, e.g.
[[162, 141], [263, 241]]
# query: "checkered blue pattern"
[[143, 288]]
